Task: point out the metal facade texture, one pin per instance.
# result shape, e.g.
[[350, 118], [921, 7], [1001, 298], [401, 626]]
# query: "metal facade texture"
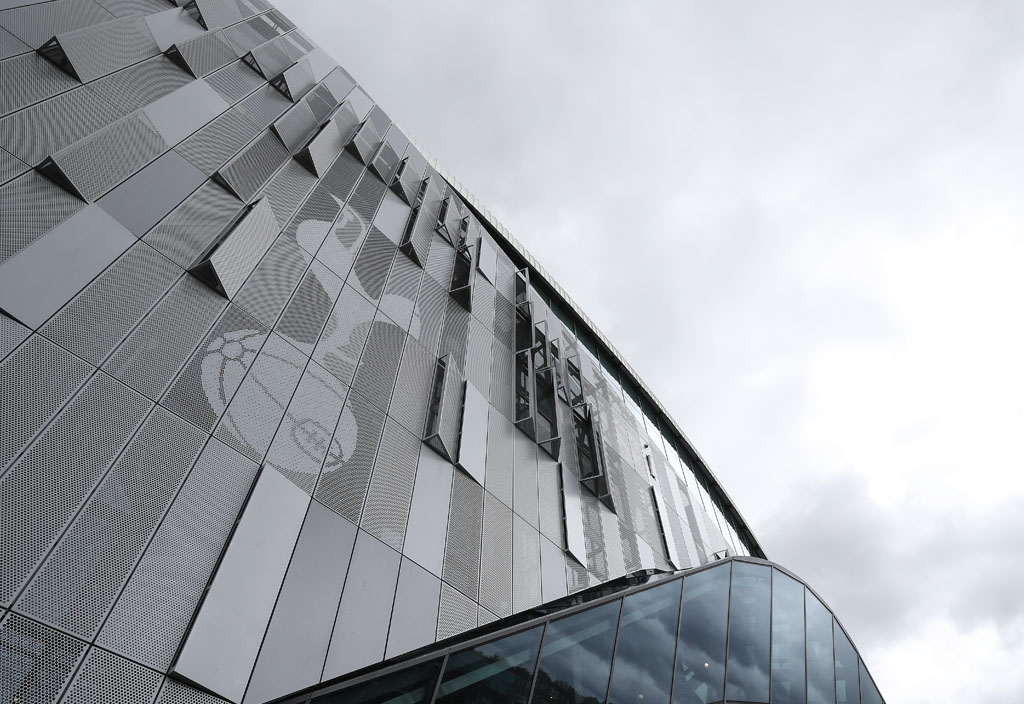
[[278, 399]]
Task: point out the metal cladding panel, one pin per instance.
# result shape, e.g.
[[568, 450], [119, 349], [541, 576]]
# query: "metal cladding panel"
[[572, 507], [40, 279], [172, 26], [34, 24], [96, 320], [12, 334], [224, 640], [457, 613], [473, 436], [151, 615], [293, 652], [344, 335], [206, 53], [526, 567], [144, 199], [180, 113], [105, 677], [552, 563], [38, 661], [496, 557], [267, 290], [82, 576], [462, 548], [231, 263], [253, 166], [364, 613], [32, 206], [378, 366], [44, 489], [36, 380], [104, 48], [428, 514], [389, 497], [414, 620], [194, 225], [304, 317], [412, 388]]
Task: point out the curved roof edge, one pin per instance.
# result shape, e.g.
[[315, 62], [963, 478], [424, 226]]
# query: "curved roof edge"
[[505, 237]]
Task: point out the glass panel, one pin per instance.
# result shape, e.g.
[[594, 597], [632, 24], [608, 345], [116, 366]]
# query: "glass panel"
[[847, 689], [700, 663], [787, 640], [869, 692], [576, 658], [749, 634], [821, 684], [499, 671], [414, 685], [647, 642]]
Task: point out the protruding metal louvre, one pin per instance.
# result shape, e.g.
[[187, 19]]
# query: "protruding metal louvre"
[[444, 414], [232, 258]]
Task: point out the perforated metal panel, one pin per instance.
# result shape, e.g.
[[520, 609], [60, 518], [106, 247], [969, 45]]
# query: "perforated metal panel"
[[255, 411], [150, 617], [35, 381], [151, 355], [500, 461], [206, 384], [344, 334], [525, 565], [244, 174], [29, 78], [266, 292], [524, 494], [462, 549], [206, 53], [306, 313], [305, 434], [386, 511], [496, 557], [346, 473], [99, 317], [44, 488], [34, 24], [378, 367], [194, 224], [287, 189], [32, 205], [82, 576], [105, 677], [104, 48], [457, 613], [372, 265], [412, 389], [37, 661]]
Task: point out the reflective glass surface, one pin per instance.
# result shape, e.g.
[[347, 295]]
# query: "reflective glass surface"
[[414, 685], [821, 686], [749, 634], [847, 687], [868, 691], [646, 647], [788, 685], [700, 662], [499, 671], [576, 657]]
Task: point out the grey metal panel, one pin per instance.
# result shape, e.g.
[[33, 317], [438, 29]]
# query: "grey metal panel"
[[266, 292], [37, 661], [298, 80], [177, 115], [305, 436], [29, 78], [378, 367], [294, 649], [552, 565], [458, 613], [549, 488], [35, 23], [80, 579], [473, 436], [36, 380], [388, 499], [254, 414], [500, 462], [666, 529], [465, 525], [572, 505], [296, 126], [487, 261], [104, 48], [412, 389], [321, 151], [231, 263], [392, 217], [224, 639], [428, 515], [365, 609], [152, 354], [152, 613], [304, 317], [145, 198], [288, 188], [172, 27], [12, 334], [524, 497], [414, 618], [496, 557], [59, 471], [32, 205], [399, 298], [192, 226], [344, 334], [40, 279], [526, 568], [105, 677], [98, 318]]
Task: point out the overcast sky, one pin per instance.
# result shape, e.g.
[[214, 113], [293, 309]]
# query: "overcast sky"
[[801, 223]]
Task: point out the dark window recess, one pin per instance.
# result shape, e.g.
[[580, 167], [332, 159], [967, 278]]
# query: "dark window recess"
[[545, 413], [416, 237], [461, 287], [53, 52], [524, 357], [444, 415], [499, 671], [573, 388], [385, 163], [347, 122], [450, 219], [590, 453], [364, 144], [413, 685]]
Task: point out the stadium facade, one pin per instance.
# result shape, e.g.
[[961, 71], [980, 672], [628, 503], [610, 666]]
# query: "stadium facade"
[[285, 410]]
